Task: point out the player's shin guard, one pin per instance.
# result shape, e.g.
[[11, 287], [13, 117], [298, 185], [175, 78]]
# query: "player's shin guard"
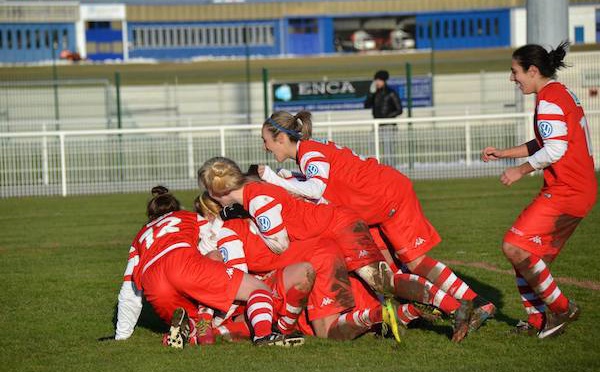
[[536, 273], [354, 323], [260, 312], [443, 277], [416, 288], [534, 306], [295, 301]]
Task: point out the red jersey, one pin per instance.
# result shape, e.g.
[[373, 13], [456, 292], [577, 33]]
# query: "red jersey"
[[370, 189], [171, 231], [570, 181], [279, 214]]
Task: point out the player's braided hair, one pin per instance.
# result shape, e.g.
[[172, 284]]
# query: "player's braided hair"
[[547, 62], [220, 176], [162, 202], [296, 127]]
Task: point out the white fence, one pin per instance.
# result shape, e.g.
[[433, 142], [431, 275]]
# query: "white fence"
[[107, 161]]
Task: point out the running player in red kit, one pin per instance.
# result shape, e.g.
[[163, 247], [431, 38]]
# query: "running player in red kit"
[[379, 194], [562, 148], [164, 263]]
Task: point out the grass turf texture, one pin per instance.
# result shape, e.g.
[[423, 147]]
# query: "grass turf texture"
[[62, 259]]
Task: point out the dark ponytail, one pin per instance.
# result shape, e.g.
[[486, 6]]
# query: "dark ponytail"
[[162, 202], [547, 62]]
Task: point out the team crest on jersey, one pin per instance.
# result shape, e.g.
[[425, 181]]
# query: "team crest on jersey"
[[263, 223], [224, 253], [311, 171], [545, 129]]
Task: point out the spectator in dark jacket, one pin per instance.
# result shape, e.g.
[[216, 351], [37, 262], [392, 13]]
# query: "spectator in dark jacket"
[[385, 103]]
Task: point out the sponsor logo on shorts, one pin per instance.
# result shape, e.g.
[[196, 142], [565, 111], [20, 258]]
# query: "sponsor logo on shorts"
[[547, 195], [362, 253], [545, 129], [536, 239], [264, 223], [326, 301], [419, 241], [516, 231]]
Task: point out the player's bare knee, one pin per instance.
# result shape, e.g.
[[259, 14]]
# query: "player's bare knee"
[[513, 253], [414, 263]]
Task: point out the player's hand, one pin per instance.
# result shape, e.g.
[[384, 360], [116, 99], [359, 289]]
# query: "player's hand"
[[510, 176], [373, 88], [490, 153]]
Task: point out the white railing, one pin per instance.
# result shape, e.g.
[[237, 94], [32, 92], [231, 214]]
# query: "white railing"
[[127, 160]]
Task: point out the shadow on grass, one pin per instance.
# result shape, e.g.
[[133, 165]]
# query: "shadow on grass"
[[148, 319]]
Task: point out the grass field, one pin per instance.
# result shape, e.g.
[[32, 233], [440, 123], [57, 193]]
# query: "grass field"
[[61, 263]]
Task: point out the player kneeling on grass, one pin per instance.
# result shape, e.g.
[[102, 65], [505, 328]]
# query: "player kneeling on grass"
[[562, 148], [164, 263]]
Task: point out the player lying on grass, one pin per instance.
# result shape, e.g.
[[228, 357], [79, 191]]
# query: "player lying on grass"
[[338, 176], [562, 148], [164, 263], [282, 218]]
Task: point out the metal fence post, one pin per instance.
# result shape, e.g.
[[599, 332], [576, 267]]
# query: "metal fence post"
[[190, 146], [222, 135], [63, 165], [468, 143], [44, 156], [411, 144], [265, 79]]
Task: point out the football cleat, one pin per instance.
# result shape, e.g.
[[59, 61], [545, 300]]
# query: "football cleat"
[[180, 329], [205, 335], [390, 318], [278, 339], [524, 328], [557, 322], [462, 317], [480, 315]]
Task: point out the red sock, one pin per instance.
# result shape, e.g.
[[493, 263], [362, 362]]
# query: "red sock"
[[259, 308], [365, 318], [443, 277], [295, 300], [234, 331], [537, 275], [534, 306], [408, 313], [421, 290]]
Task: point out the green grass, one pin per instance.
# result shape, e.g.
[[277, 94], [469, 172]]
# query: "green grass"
[[61, 262]]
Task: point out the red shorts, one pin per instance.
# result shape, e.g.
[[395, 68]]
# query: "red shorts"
[[352, 235], [184, 278], [331, 292], [409, 231], [542, 229], [364, 299]]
